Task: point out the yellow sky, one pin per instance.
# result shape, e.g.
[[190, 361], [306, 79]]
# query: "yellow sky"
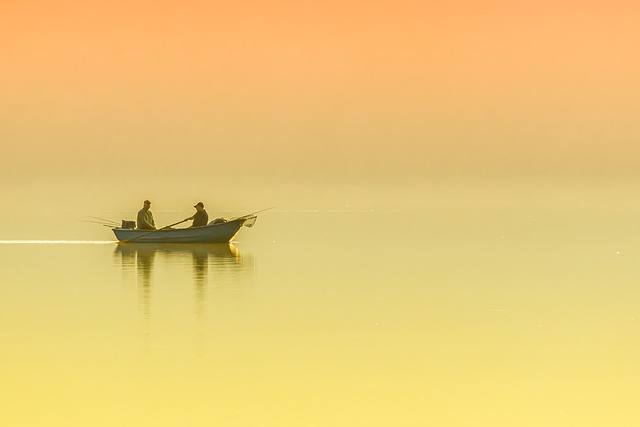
[[365, 90]]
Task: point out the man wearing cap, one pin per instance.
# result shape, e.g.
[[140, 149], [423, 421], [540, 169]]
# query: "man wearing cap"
[[145, 217], [201, 217]]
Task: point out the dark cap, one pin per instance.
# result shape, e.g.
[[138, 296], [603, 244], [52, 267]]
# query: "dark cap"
[[199, 204], [146, 201]]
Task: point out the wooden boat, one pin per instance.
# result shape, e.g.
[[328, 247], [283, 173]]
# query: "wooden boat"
[[213, 232]]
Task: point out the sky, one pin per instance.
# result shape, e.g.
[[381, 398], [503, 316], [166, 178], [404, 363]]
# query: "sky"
[[365, 92]]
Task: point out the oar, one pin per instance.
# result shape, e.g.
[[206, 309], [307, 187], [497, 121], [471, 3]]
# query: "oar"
[[153, 231]]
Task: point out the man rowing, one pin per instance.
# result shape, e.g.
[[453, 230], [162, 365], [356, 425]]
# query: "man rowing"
[[201, 217]]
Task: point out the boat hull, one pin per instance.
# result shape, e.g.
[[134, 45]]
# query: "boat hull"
[[212, 233]]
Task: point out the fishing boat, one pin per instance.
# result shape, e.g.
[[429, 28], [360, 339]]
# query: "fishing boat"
[[214, 232]]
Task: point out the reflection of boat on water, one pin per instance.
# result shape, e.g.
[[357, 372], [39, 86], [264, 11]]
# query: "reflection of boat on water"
[[220, 265], [220, 256], [162, 274], [214, 232], [222, 250]]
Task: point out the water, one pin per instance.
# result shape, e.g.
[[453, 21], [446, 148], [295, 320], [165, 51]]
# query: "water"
[[464, 307]]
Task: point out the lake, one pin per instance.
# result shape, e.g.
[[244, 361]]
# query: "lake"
[[455, 306]]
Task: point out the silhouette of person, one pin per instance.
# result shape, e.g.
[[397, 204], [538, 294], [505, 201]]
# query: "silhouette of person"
[[201, 217], [145, 217]]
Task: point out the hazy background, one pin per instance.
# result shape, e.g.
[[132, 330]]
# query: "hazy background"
[[455, 239], [217, 93]]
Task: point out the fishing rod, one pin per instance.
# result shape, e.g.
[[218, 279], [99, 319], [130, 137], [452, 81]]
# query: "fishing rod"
[[106, 224], [253, 213], [105, 220]]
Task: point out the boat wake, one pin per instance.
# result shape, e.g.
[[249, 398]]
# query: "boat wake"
[[57, 242]]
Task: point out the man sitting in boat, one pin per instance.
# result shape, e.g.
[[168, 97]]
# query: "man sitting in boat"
[[201, 217], [145, 217]]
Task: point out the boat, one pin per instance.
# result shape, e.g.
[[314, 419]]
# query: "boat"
[[214, 232]]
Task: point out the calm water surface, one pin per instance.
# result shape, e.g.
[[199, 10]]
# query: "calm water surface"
[[479, 313]]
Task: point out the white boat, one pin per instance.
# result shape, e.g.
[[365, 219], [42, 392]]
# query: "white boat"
[[221, 232]]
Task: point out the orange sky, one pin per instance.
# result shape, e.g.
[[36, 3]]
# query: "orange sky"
[[368, 90]]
